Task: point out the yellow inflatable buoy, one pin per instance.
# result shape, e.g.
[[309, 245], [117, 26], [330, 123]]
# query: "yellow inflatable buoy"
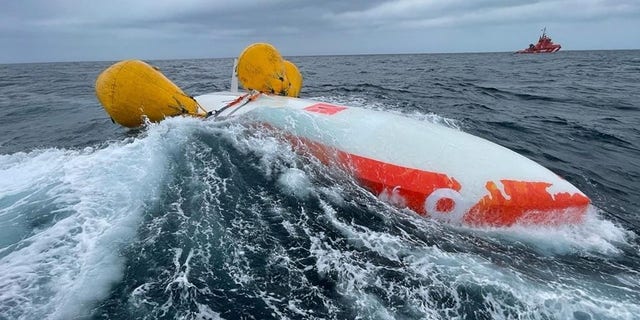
[[295, 78], [131, 90], [261, 68]]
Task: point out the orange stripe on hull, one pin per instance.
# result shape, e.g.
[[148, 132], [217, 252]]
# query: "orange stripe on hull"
[[412, 185], [525, 202], [528, 203]]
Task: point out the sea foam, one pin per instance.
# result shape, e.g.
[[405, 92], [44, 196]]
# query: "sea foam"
[[76, 210]]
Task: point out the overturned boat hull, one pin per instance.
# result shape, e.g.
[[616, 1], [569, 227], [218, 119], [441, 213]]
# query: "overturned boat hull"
[[434, 170]]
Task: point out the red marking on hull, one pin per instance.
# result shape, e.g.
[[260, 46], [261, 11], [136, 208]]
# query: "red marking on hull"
[[325, 108], [413, 185], [445, 205]]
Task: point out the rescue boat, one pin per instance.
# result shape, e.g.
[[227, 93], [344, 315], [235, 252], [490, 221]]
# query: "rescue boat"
[[436, 171], [544, 45]]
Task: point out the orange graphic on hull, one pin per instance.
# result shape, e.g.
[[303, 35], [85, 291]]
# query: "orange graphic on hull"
[[413, 185], [527, 203]]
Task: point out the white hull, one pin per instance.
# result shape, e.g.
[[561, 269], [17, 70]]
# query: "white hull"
[[434, 170]]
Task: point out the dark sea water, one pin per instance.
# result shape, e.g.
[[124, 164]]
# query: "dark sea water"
[[190, 219]]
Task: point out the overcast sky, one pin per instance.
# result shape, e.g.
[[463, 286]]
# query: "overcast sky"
[[76, 30]]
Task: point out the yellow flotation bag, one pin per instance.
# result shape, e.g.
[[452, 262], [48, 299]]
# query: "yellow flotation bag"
[[295, 78], [261, 68], [131, 90]]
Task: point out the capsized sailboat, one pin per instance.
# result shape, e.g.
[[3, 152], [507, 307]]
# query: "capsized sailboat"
[[436, 171]]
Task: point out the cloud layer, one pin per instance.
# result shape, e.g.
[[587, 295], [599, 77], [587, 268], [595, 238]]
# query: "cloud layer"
[[69, 30]]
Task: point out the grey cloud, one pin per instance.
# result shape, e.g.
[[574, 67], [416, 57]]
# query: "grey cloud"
[[163, 29]]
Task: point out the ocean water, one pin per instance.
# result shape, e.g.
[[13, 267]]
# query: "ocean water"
[[190, 219]]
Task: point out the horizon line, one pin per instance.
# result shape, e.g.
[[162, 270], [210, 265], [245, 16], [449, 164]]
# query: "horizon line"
[[309, 55]]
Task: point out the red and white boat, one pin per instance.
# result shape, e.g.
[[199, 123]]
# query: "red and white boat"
[[544, 45]]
